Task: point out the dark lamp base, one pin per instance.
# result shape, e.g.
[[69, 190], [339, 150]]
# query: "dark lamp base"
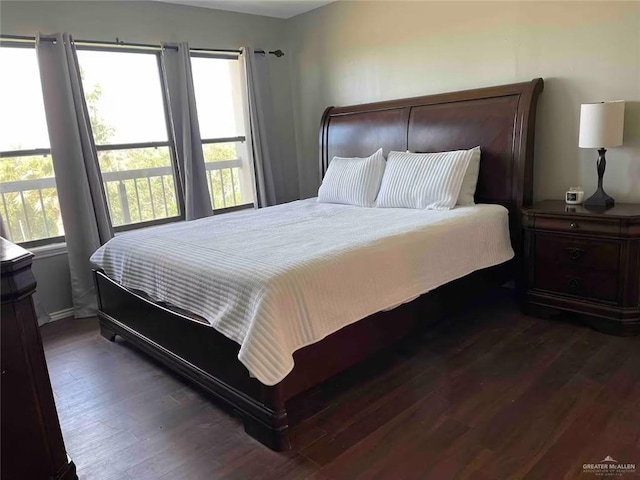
[[599, 200]]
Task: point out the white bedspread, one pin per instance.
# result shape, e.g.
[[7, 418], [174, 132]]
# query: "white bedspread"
[[278, 279]]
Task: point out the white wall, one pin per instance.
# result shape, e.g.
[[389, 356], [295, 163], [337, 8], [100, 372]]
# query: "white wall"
[[153, 22], [356, 52]]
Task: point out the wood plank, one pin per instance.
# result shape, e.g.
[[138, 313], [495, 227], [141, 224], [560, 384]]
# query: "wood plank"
[[490, 393]]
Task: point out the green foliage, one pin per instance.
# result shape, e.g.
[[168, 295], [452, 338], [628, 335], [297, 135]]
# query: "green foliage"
[[102, 132], [218, 152], [31, 214], [13, 169]]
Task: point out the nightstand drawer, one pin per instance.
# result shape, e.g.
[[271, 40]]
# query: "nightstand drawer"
[[576, 225], [565, 250], [589, 284]]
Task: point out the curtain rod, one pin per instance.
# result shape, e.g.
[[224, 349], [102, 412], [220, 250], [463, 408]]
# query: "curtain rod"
[[119, 43]]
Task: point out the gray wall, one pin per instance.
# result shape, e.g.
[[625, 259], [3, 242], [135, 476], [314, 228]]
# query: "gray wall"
[[356, 52], [152, 22], [53, 293]]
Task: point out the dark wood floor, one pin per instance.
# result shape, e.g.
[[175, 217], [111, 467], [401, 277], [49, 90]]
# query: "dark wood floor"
[[489, 394]]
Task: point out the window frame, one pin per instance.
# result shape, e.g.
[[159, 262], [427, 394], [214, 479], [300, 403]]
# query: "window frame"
[[236, 139], [170, 143], [32, 152], [218, 56]]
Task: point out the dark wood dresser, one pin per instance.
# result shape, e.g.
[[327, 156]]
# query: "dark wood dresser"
[[584, 261], [31, 441]]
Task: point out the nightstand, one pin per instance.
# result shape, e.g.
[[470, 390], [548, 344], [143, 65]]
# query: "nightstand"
[[585, 262]]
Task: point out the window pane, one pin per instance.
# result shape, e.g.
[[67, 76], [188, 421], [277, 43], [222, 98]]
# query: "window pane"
[[139, 184], [23, 125], [29, 197], [124, 96], [126, 105], [218, 96], [229, 178]]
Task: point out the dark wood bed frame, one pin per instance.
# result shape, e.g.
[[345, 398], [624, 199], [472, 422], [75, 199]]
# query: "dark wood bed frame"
[[499, 119]]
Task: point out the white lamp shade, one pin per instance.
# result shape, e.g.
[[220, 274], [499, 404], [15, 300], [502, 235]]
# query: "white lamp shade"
[[601, 124]]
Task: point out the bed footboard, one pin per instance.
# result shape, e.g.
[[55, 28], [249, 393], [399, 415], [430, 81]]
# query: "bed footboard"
[[196, 352]]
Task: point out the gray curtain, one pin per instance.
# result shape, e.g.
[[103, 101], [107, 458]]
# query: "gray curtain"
[[41, 313], [260, 121], [176, 64], [82, 203], [4, 233]]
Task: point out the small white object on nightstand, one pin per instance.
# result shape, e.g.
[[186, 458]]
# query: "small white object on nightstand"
[[574, 196]]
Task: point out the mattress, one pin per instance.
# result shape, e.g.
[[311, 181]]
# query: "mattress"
[[280, 278]]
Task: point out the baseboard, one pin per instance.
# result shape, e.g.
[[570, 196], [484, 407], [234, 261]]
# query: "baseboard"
[[60, 314]]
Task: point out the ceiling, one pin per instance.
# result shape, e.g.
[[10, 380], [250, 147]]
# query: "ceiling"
[[267, 8]]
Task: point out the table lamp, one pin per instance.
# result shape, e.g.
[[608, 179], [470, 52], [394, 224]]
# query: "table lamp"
[[601, 125]]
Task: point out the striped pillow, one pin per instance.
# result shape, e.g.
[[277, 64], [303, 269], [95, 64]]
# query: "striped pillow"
[[470, 181], [353, 181], [423, 180]]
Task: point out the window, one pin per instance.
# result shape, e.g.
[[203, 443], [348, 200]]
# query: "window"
[[29, 208], [220, 114], [128, 113], [126, 104]]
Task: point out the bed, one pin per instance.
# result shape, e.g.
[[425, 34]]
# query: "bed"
[[164, 289]]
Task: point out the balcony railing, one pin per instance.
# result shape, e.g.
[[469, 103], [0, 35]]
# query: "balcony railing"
[[25, 214], [133, 196]]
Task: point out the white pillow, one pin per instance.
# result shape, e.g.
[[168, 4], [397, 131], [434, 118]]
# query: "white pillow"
[[353, 181], [470, 180], [423, 180]]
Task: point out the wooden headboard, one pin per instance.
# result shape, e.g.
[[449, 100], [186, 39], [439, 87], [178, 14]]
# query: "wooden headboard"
[[499, 119]]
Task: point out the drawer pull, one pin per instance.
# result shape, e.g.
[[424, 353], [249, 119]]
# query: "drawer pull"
[[575, 253], [574, 283], [573, 225]]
